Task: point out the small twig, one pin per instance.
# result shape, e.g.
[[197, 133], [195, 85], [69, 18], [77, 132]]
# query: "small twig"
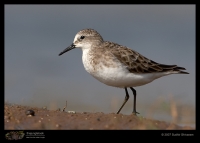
[[65, 107]]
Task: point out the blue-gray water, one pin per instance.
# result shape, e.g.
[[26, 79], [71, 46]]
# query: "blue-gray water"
[[36, 76]]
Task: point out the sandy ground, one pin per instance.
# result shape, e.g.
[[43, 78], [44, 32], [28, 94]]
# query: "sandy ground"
[[16, 117]]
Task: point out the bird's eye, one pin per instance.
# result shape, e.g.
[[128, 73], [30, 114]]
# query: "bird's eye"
[[82, 37]]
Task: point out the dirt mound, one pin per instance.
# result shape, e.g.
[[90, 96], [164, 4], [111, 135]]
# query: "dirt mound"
[[17, 117]]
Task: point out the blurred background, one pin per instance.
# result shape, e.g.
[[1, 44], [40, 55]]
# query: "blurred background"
[[36, 76]]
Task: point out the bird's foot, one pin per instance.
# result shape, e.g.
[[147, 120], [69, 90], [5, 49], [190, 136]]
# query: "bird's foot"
[[135, 113]]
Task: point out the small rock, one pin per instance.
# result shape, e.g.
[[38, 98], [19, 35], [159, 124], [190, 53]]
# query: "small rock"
[[71, 112], [30, 113], [57, 125]]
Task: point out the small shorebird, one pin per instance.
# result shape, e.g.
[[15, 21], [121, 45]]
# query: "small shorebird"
[[116, 65]]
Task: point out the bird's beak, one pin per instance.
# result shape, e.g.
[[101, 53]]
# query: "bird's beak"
[[72, 46]]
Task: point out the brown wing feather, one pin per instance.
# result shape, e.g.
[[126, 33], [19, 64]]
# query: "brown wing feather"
[[137, 63]]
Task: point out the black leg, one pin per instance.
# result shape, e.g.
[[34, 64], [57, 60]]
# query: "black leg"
[[134, 102], [125, 100]]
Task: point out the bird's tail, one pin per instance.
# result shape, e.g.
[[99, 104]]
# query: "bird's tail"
[[179, 70], [174, 68]]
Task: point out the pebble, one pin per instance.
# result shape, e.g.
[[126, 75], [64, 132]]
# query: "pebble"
[[57, 125], [71, 112], [30, 113]]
